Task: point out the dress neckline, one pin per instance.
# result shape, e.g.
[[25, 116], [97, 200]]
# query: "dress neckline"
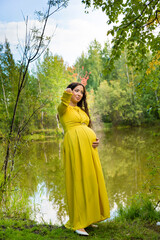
[[74, 106]]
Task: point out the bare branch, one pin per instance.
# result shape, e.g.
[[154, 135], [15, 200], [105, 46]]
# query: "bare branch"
[[42, 34], [44, 49], [23, 15], [58, 9], [28, 120]]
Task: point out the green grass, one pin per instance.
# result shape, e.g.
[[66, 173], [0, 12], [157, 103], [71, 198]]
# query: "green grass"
[[113, 230], [136, 221]]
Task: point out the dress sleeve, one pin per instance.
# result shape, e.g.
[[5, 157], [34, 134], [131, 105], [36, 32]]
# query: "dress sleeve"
[[65, 100]]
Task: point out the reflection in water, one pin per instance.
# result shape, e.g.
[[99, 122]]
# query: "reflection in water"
[[124, 157], [45, 210], [132, 155]]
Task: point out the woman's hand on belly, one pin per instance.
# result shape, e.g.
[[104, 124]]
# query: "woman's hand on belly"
[[96, 143]]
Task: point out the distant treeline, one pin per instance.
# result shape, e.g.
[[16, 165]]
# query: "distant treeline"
[[124, 94]]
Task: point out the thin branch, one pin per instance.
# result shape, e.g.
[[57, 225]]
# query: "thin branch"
[[42, 34], [23, 15], [19, 43], [24, 55], [58, 9], [20, 130], [140, 15], [43, 50], [26, 123], [157, 204], [156, 18], [12, 123], [46, 45]]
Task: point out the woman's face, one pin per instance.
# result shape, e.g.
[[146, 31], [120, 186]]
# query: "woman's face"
[[77, 94]]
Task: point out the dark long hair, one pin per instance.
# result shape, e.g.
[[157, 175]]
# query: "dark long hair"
[[83, 103]]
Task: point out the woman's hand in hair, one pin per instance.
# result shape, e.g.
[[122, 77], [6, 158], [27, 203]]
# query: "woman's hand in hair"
[[96, 143], [69, 90]]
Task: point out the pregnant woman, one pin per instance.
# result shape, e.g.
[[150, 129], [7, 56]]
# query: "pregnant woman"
[[85, 187]]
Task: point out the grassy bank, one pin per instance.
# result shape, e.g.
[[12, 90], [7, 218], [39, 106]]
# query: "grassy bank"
[[135, 221], [113, 230]]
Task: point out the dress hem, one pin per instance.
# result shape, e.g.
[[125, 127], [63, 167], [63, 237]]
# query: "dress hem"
[[85, 226]]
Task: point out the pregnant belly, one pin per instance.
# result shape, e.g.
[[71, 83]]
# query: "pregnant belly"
[[91, 134], [82, 132], [86, 134]]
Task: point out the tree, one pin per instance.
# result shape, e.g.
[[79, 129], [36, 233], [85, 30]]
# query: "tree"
[[52, 76], [114, 104], [91, 64], [150, 86], [35, 44], [105, 54], [95, 64], [8, 78], [141, 87], [136, 30]]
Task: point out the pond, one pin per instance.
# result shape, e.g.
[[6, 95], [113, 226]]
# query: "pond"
[[125, 156]]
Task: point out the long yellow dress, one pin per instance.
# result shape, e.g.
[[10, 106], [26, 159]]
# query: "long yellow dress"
[[85, 187]]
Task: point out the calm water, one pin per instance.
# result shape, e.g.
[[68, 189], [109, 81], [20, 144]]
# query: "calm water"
[[124, 156]]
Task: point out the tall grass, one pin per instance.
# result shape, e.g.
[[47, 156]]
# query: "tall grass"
[[14, 203], [139, 207]]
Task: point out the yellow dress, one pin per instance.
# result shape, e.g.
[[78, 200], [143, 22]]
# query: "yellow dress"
[[85, 187]]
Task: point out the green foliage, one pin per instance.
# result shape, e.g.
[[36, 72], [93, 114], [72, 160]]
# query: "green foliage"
[[43, 88], [8, 82], [130, 95], [9, 77], [148, 89], [52, 78], [133, 23], [116, 105], [92, 63], [135, 96], [139, 207], [95, 64], [15, 203]]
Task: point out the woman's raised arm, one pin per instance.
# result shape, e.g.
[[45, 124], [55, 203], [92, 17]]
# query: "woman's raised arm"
[[65, 100]]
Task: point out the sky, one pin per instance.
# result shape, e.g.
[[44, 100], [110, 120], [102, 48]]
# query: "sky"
[[73, 29]]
